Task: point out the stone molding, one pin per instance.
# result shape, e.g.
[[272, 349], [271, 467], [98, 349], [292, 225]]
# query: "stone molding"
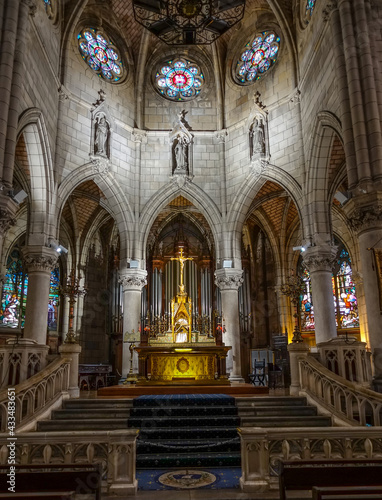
[[133, 279], [100, 166], [229, 279], [139, 135], [41, 259], [320, 258], [7, 220], [328, 9], [31, 5], [221, 136], [366, 218]]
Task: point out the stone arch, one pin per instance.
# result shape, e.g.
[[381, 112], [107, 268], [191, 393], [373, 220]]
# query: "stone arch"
[[189, 191], [327, 126], [245, 194], [42, 189], [118, 206]]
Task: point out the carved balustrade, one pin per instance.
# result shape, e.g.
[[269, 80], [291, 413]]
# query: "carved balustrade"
[[114, 450], [349, 403], [36, 397], [262, 450]]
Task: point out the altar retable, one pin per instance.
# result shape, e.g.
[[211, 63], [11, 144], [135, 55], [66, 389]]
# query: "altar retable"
[[182, 355]]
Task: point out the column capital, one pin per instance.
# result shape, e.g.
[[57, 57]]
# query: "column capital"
[[8, 209], [328, 9], [229, 278], [320, 258], [133, 279], [365, 212], [39, 258]]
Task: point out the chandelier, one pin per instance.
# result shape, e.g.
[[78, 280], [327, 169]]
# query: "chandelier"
[[188, 22]]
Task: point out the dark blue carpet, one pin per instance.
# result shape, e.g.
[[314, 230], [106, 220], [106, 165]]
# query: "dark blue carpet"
[[148, 480]]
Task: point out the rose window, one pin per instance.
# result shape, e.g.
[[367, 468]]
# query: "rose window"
[[258, 57], [100, 53], [179, 80]]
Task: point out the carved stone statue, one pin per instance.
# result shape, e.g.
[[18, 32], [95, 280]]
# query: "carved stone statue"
[[101, 136], [181, 154], [258, 136]]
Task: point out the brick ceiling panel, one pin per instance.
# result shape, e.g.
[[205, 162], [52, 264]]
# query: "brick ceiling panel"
[[275, 209], [22, 155], [337, 158]]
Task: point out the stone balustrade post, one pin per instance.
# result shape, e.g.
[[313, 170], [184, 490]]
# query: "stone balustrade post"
[[132, 281], [72, 352], [297, 351], [229, 281]]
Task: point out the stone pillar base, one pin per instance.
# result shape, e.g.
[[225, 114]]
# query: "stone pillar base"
[[72, 351], [296, 352], [122, 490], [236, 379]]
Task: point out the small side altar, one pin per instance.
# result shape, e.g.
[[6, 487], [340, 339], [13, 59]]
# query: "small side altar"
[[181, 355]]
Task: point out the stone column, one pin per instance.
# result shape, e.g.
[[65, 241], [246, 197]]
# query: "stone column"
[[229, 281], [319, 260], [39, 262], [8, 209], [366, 220], [132, 281]]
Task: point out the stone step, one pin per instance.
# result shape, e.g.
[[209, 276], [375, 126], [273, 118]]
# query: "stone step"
[[97, 403], [182, 400], [276, 411], [188, 459], [215, 445], [172, 433], [82, 425], [224, 421], [271, 401], [91, 413], [286, 421], [182, 411]]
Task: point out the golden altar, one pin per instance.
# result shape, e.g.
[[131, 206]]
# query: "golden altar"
[[182, 355]]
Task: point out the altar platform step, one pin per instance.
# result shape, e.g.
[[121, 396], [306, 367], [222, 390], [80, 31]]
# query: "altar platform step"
[[153, 461], [210, 445], [132, 391], [167, 434]]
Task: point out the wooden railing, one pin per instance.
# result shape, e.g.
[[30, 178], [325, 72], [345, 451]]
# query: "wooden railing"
[[36, 397], [262, 450], [347, 402], [114, 450]]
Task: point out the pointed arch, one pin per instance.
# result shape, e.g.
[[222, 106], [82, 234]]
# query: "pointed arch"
[[42, 189], [189, 191], [326, 127], [245, 195], [117, 204]]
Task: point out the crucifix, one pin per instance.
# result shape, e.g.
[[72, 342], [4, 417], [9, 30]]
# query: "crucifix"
[[181, 260]]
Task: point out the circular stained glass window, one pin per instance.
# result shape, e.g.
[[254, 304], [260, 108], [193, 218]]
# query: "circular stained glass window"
[[310, 6], [100, 53], [258, 57], [179, 80]]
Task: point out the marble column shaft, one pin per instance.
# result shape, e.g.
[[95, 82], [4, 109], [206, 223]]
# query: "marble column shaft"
[[39, 263], [132, 280], [319, 261], [229, 281]]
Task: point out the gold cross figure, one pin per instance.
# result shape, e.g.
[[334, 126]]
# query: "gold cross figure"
[[181, 261]]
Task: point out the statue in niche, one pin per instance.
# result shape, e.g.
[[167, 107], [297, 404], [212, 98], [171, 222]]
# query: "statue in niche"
[[258, 136], [181, 154], [101, 136]]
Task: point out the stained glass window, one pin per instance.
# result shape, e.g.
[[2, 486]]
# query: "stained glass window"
[[344, 294], [100, 53], [310, 6], [179, 80], [258, 57], [15, 290]]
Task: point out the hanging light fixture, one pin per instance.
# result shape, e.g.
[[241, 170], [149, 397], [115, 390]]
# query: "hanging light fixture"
[[188, 22]]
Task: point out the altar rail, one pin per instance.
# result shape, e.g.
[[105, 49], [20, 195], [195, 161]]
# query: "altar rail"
[[349, 403], [262, 450], [36, 397], [114, 450]]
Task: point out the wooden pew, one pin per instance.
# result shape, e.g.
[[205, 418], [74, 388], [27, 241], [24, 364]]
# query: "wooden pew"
[[304, 474], [54, 478], [350, 492]]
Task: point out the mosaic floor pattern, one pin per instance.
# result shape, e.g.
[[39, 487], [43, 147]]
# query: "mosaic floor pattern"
[[188, 479]]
